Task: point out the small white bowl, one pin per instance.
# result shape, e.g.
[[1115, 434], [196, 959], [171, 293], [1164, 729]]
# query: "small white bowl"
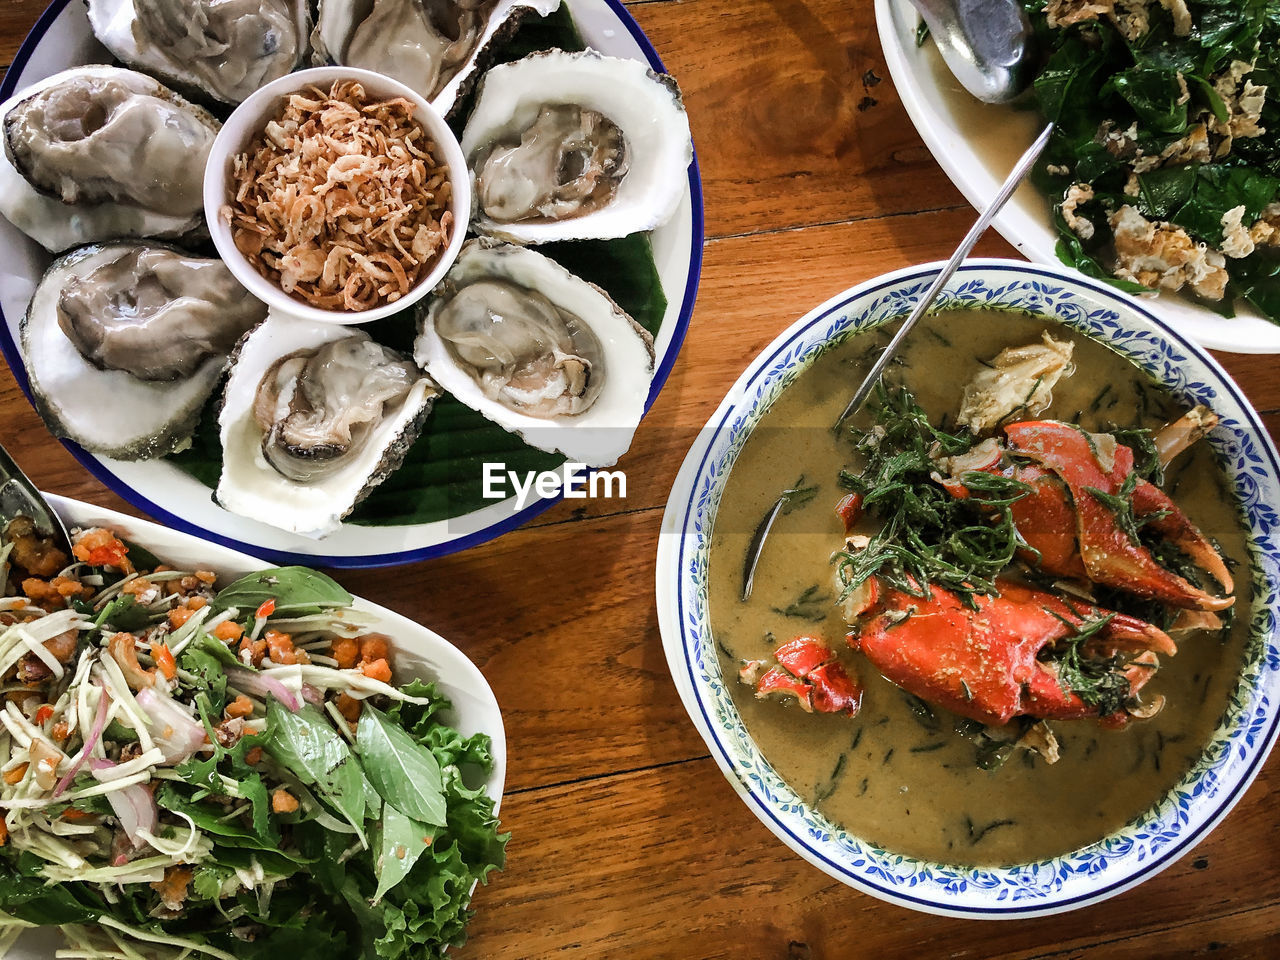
[[248, 119]]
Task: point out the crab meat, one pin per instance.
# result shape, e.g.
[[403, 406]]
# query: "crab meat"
[[1020, 379], [808, 670]]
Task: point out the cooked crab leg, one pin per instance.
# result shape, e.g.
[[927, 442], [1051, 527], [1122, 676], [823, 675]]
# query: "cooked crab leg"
[[1175, 437], [983, 661], [1093, 464]]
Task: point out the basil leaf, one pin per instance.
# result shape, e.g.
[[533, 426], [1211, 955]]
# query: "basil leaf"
[[123, 613], [307, 744], [403, 770], [296, 591], [29, 898], [401, 841], [212, 818]]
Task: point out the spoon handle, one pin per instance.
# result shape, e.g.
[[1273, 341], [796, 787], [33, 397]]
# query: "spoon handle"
[[1011, 184]]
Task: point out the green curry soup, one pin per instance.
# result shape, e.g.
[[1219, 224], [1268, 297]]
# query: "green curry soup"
[[903, 777]]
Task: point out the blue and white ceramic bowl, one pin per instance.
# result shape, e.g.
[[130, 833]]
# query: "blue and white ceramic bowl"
[[1113, 864]]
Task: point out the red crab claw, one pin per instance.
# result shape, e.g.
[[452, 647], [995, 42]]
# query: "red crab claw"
[[1047, 520], [809, 671], [983, 663]]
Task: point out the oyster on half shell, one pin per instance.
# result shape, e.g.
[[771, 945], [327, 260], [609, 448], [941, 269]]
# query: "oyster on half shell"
[[123, 343], [433, 46], [220, 50], [314, 416], [570, 146], [96, 153], [539, 351]]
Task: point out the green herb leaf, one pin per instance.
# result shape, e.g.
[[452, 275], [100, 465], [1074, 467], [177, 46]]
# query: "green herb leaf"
[[401, 841], [315, 752], [403, 771], [296, 591], [928, 536], [812, 605], [123, 613], [797, 496]]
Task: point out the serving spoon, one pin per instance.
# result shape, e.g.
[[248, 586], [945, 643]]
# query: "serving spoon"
[[19, 497], [756, 546], [988, 45]]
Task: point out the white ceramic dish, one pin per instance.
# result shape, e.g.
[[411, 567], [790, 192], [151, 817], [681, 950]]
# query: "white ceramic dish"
[[61, 38], [420, 652], [977, 145], [1123, 859], [247, 121]]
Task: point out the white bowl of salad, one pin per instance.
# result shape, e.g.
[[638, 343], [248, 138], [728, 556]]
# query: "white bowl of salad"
[[203, 756]]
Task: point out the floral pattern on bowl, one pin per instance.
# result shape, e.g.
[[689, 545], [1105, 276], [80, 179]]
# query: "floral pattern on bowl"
[[1117, 862]]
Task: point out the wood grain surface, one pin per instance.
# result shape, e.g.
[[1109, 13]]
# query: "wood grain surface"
[[628, 842]]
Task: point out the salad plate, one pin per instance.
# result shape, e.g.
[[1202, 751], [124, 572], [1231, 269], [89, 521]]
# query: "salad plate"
[[977, 144], [1237, 747], [384, 533], [420, 652]]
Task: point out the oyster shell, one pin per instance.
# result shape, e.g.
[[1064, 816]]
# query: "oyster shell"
[[124, 342], [314, 416], [221, 50], [569, 146], [96, 153], [539, 351], [433, 46]]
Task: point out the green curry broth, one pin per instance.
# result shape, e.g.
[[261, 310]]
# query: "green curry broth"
[[888, 775]]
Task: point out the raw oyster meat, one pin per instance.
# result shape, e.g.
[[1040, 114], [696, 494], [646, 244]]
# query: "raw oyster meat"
[[570, 146], [433, 46], [221, 50], [97, 153], [314, 416], [124, 342], [539, 351]]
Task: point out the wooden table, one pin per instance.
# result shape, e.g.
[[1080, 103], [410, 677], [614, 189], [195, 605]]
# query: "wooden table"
[[628, 842]]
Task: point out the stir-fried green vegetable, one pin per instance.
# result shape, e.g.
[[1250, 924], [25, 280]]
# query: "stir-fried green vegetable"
[[180, 794], [1165, 164]]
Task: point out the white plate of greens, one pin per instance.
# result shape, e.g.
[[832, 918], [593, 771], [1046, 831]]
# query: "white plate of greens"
[[393, 821], [977, 145]]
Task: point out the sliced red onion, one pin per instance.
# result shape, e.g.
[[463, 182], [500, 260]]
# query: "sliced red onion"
[[261, 684], [133, 806], [95, 734], [177, 734], [313, 695]]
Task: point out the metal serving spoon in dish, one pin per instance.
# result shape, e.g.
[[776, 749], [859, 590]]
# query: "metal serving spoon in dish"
[[20, 498], [756, 546], [987, 44]]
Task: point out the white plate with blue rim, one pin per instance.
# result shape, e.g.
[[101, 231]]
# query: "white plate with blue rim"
[[1145, 846], [977, 144], [61, 39], [420, 653]]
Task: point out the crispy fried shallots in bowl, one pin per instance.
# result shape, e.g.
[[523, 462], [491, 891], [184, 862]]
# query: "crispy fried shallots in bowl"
[[337, 194]]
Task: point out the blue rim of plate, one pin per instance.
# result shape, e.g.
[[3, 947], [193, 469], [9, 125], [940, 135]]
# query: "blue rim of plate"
[[1245, 736], [9, 86]]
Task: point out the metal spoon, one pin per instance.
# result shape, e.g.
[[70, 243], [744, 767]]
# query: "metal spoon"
[[988, 44], [756, 547], [20, 498], [1007, 189]]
